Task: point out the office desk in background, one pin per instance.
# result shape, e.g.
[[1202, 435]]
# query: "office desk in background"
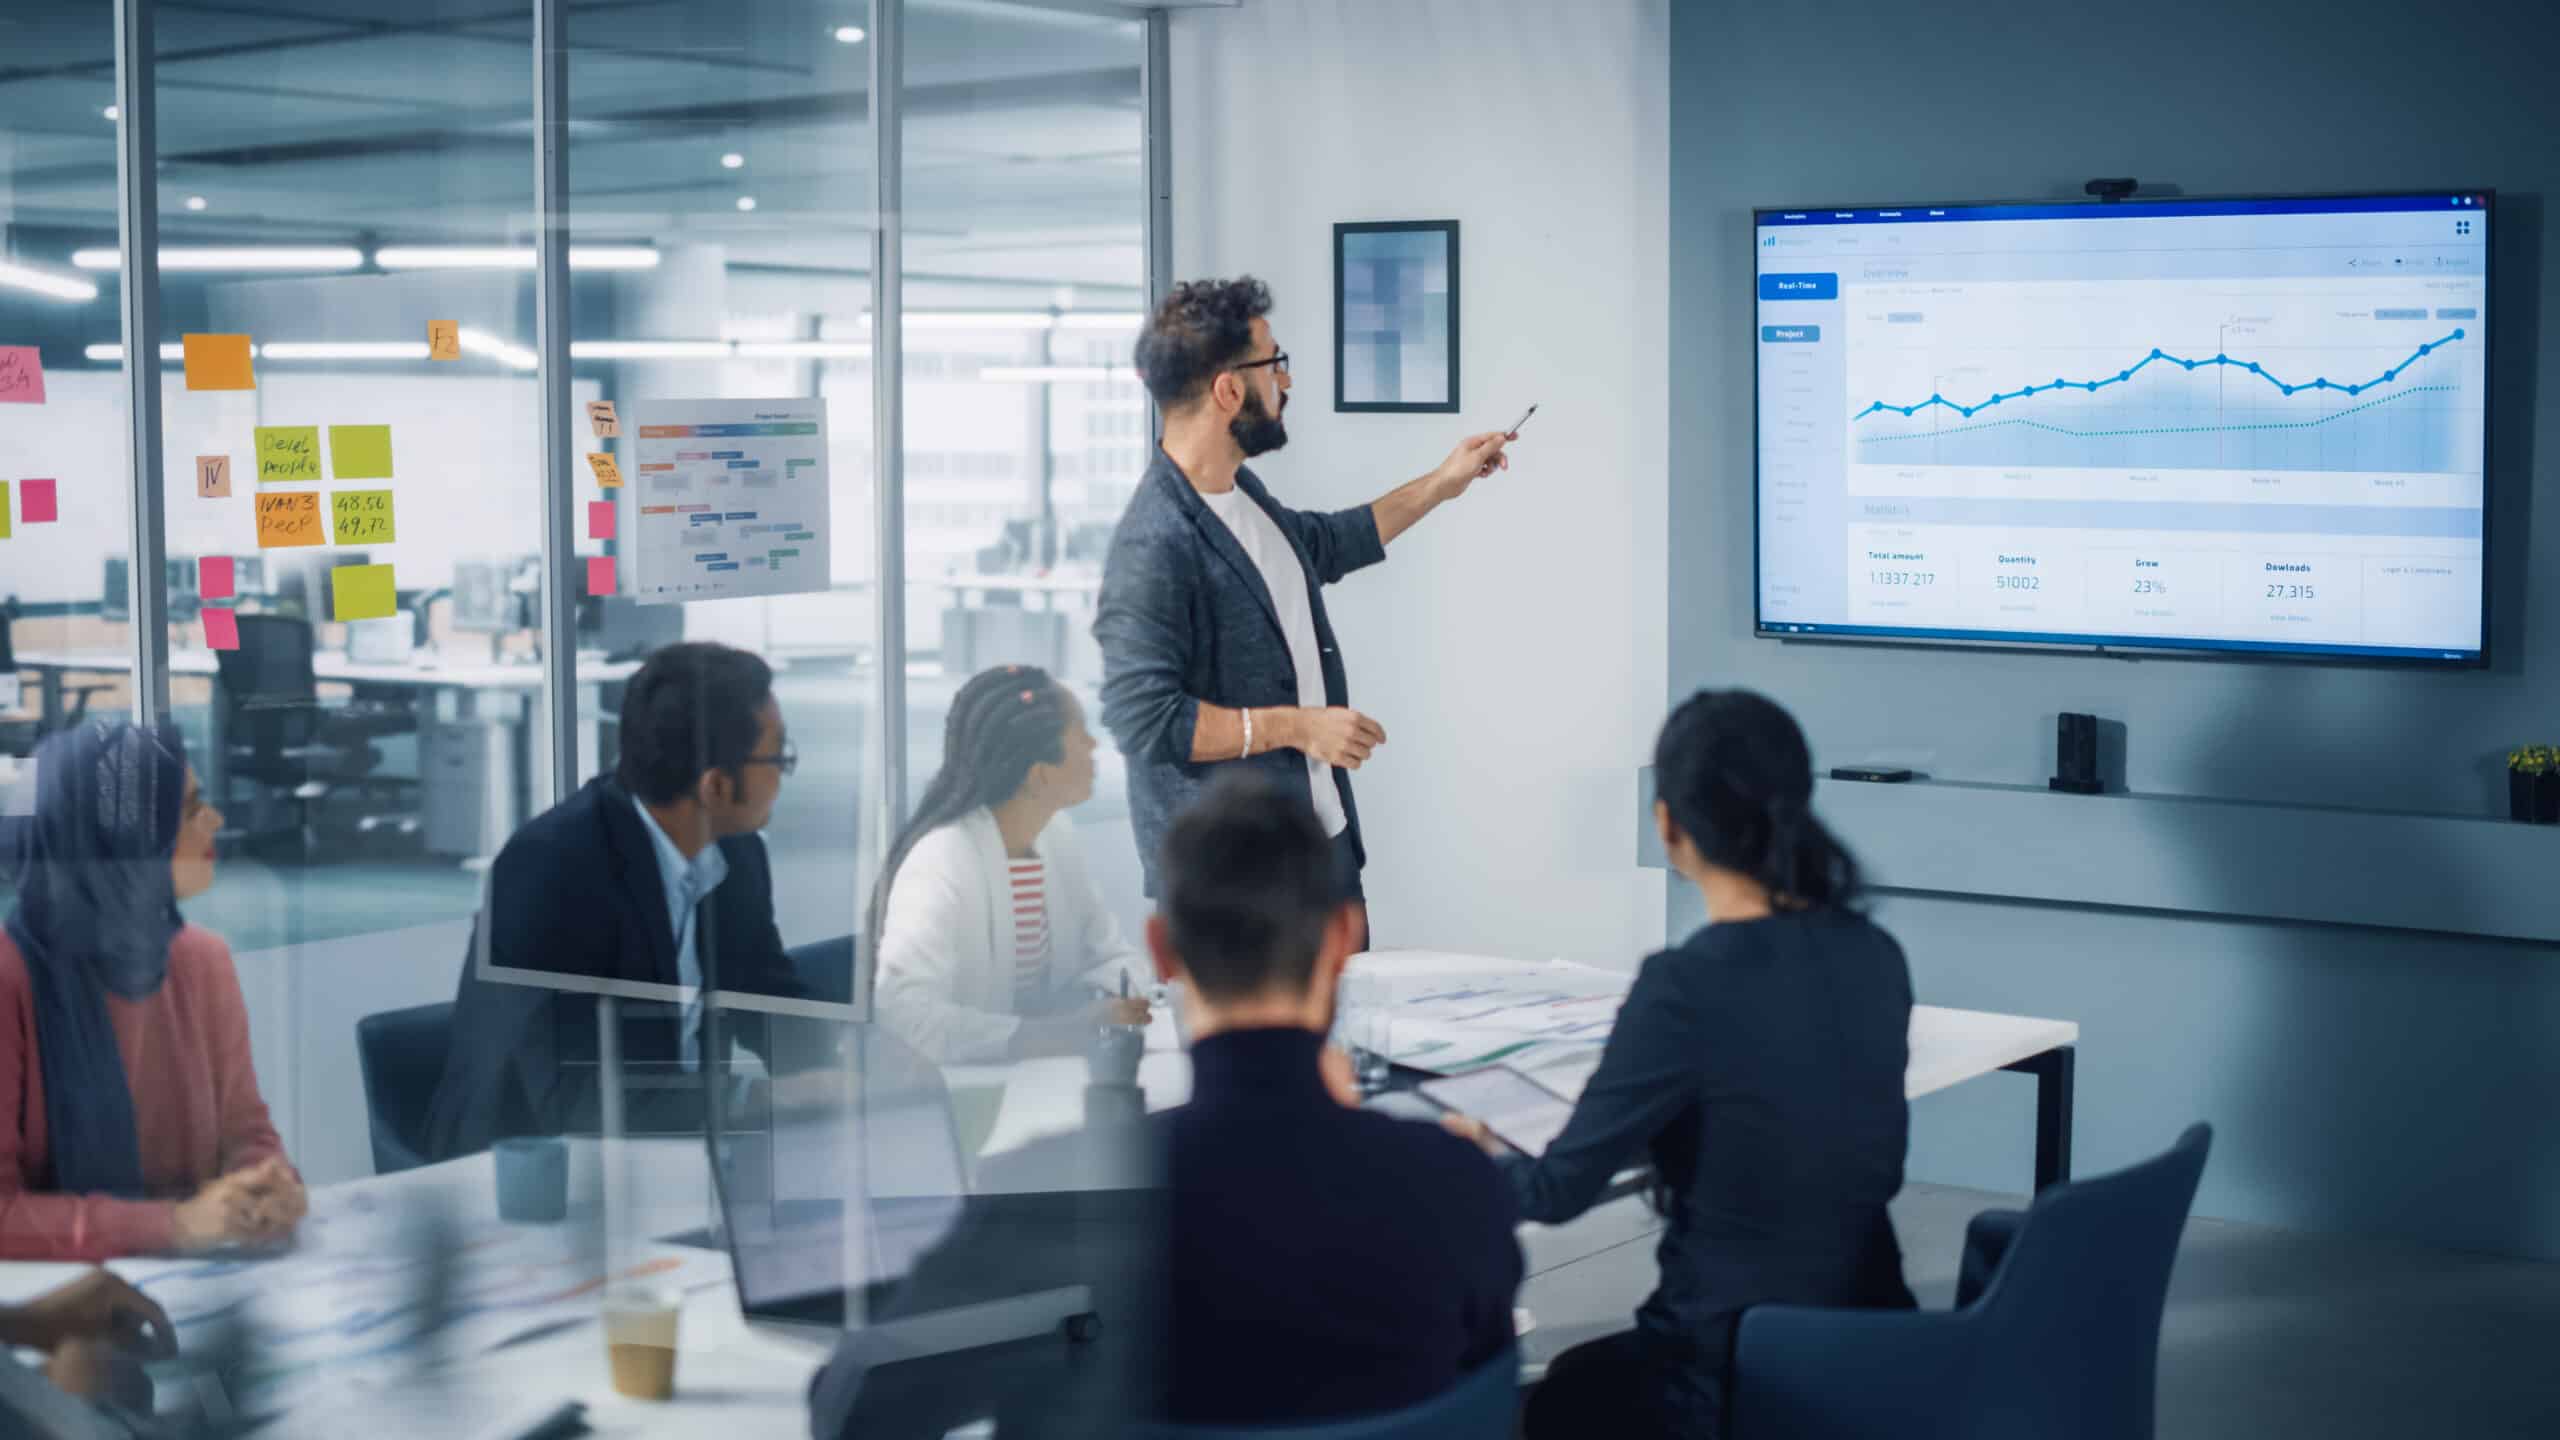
[[508, 777]]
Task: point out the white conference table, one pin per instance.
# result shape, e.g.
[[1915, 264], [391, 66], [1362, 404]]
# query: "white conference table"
[[731, 1380]]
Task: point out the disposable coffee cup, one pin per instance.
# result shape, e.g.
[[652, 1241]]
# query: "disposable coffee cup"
[[640, 1340]]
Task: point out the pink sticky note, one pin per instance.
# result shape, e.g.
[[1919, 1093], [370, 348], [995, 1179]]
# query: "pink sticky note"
[[21, 375], [36, 502], [213, 578], [600, 575], [599, 519], [221, 627]]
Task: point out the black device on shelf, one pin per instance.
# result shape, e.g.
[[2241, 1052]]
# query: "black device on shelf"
[[2075, 755]]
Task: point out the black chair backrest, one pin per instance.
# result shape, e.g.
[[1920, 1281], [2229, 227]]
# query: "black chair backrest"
[[2072, 1318], [401, 1054], [270, 695], [826, 967]]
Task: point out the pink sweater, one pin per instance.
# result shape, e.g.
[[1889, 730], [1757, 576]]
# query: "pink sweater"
[[195, 1103]]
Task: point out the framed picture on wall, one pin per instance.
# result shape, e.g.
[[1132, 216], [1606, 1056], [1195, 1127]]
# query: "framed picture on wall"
[[1395, 317]]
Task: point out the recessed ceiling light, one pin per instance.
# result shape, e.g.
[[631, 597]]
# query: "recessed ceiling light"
[[848, 34], [111, 112], [195, 202], [746, 202], [732, 160]]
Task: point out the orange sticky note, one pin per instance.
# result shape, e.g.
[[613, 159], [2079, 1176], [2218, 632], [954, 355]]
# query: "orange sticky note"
[[221, 627], [218, 362], [600, 575], [213, 476], [214, 577], [444, 340], [290, 517], [599, 519], [608, 474], [35, 502]]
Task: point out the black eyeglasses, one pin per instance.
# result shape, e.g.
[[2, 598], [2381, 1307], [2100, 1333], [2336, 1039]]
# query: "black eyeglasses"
[[1278, 360], [786, 762]]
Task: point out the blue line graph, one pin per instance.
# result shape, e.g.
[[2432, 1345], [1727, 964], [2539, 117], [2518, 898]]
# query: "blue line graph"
[[2093, 386], [2166, 429]]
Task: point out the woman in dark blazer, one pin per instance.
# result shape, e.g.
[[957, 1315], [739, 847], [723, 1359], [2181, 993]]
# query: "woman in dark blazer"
[[1759, 1065]]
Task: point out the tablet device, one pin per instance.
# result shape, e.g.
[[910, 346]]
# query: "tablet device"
[[1521, 1113]]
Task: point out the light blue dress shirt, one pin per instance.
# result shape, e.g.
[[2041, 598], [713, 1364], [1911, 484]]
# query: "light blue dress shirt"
[[687, 883]]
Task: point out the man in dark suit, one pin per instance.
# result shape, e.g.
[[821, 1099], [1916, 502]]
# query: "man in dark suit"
[[1311, 1260], [655, 874], [1216, 650]]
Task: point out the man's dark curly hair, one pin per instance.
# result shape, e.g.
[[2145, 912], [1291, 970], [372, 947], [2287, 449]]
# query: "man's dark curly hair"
[[1203, 327]]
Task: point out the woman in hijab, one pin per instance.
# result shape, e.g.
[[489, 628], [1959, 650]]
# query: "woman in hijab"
[[130, 1119]]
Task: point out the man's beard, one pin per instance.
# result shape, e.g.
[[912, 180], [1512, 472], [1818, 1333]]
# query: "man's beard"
[[1258, 431]]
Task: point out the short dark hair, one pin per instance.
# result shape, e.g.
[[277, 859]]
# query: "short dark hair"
[[1203, 327], [1248, 887], [693, 707]]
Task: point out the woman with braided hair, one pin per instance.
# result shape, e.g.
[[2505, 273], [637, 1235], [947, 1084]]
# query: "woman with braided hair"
[[992, 941]]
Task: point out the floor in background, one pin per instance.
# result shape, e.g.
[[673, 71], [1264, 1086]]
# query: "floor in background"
[[2268, 1332]]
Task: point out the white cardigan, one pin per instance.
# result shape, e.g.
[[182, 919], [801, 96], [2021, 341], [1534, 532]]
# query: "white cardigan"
[[945, 977]]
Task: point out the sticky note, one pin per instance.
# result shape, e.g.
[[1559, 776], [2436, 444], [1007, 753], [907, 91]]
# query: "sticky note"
[[363, 592], [360, 452], [289, 517], [213, 578], [221, 626], [35, 502], [288, 452], [601, 417], [607, 473], [361, 517], [21, 375], [600, 575], [444, 340], [599, 519], [4, 510], [218, 362], [213, 476]]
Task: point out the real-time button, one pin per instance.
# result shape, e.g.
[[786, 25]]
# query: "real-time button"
[[1790, 334], [1823, 285]]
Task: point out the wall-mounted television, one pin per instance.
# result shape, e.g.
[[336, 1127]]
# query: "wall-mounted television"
[[2181, 425]]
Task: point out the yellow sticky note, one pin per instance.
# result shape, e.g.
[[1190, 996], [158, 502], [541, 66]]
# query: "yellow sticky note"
[[363, 592], [218, 362], [287, 452], [4, 509], [607, 473], [289, 517], [361, 517], [360, 452], [444, 340]]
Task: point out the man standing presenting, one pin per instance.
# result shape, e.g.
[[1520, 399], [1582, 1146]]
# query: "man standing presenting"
[[1216, 650]]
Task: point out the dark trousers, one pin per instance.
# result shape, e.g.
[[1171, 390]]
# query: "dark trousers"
[[1624, 1386]]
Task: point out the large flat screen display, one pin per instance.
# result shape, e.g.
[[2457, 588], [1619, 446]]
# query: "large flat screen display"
[[2251, 425]]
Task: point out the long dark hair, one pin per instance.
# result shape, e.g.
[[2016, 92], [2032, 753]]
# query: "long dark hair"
[[1003, 722], [1733, 768]]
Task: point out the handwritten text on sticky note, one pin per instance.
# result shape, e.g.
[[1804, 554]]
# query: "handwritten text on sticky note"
[[600, 416], [288, 452], [363, 592], [360, 452], [21, 375], [607, 473], [444, 340], [213, 476], [290, 517], [361, 517], [218, 362]]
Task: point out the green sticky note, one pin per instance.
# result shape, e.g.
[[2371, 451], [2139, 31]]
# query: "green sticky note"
[[4, 509], [359, 452], [361, 517], [288, 452], [364, 592]]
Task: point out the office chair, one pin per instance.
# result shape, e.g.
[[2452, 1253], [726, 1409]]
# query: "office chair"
[[826, 967], [401, 1054], [1483, 1405], [277, 734], [2056, 1328], [19, 737]]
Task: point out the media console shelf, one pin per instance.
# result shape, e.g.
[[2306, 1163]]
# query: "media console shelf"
[[2464, 875]]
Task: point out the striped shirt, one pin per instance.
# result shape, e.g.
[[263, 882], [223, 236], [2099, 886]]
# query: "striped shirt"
[[1030, 927]]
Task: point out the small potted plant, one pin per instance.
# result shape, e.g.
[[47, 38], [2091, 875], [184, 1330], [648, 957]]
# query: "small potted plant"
[[2533, 784]]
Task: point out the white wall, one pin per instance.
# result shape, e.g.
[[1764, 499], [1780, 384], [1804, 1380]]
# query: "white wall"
[[1514, 645]]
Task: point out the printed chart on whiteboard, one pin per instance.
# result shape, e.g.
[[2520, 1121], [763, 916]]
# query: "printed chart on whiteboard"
[[732, 498]]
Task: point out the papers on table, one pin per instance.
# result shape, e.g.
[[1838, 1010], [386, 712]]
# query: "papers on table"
[[1450, 1014]]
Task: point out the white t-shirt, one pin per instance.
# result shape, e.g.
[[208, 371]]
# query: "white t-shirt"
[[1287, 580]]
